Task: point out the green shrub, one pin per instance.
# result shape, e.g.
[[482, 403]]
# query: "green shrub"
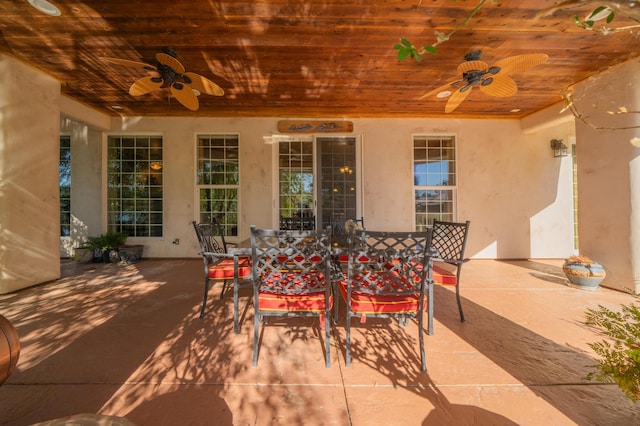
[[619, 353], [107, 240]]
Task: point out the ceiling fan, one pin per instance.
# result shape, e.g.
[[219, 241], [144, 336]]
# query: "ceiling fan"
[[169, 72], [493, 80]]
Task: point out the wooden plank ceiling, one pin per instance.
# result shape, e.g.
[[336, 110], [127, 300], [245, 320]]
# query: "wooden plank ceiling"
[[314, 59]]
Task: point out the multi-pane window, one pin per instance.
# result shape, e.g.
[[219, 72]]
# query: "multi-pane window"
[[295, 171], [64, 172], [134, 179], [218, 180], [434, 178]]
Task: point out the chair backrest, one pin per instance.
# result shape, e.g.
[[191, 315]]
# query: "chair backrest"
[[450, 239], [291, 262], [210, 237], [388, 263]]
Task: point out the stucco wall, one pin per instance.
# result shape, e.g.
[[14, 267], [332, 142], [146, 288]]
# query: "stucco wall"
[[86, 183], [517, 196], [29, 189], [609, 184]]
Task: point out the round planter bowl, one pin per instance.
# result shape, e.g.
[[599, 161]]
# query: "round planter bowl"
[[584, 276], [9, 348]]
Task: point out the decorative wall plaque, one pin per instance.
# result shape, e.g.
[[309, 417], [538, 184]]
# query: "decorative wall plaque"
[[292, 126]]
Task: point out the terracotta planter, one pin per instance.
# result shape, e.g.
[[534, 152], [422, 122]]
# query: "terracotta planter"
[[587, 276], [9, 348]]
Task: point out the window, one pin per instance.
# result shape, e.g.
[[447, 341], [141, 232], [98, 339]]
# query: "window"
[[218, 180], [64, 172], [295, 172], [434, 178], [134, 179]]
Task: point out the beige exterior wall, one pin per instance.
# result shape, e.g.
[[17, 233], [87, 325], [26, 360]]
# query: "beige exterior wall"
[[517, 196], [29, 189], [609, 182]]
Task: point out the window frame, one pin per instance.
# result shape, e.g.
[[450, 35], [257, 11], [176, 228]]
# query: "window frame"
[[67, 225], [227, 225], [453, 189], [111, 225]]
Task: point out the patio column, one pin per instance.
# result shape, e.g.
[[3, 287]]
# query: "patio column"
[[607, 128], [29, 187]]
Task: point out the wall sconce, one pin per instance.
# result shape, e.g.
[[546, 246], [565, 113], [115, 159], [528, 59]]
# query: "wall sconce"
[[559, 149]]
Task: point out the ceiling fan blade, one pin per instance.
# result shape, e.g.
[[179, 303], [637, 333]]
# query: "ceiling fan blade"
[[204, 85], [184, 94], [520, 62], [144, 86], [472, 66], [447, 86], [502, 86], [455, 100], [170, 61]]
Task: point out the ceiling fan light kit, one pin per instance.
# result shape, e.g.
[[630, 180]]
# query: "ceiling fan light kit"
[[45, 7], [170, 73], [492, 80]]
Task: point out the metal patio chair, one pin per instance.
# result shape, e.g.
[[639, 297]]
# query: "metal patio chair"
[[388, 275], [291, 277], [449, 239], [220, 265]]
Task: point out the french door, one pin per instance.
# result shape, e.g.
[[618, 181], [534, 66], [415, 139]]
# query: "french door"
[[318, 181]]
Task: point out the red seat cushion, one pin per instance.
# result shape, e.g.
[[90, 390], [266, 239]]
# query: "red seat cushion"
[[223, 270], [441, 275], [307, 302], [366, 303]]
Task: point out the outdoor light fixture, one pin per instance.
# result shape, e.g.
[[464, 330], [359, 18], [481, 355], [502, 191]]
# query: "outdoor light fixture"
[[559, 149]]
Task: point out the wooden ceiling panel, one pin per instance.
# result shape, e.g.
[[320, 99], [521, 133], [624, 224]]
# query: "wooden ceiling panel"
[[293, 58]]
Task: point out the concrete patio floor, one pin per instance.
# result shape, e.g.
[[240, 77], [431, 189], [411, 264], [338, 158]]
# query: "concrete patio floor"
[[126, 340]]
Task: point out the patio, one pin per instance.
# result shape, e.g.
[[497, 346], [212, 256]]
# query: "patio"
[[127, 341]]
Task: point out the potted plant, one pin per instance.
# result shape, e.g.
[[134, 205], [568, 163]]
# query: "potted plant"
[[105, 246], [583, 272]]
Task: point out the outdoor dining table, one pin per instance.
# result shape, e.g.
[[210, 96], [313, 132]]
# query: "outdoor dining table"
[[339, 259]]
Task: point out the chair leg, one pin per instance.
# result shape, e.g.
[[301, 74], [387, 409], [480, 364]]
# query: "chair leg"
[[224, 287], [327, 337], [236, 325], [421, 339], [430, 309], [256, 329], [204, 299], [348, 338], [459, 303]]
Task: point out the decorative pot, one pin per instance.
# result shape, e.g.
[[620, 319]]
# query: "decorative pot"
[[83, 254], [9, 348], [584, 275], [131, 253]]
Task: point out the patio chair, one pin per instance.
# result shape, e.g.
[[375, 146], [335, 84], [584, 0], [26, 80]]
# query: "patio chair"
[[291, 277], [220, 265], [449, 239], [388, 275]]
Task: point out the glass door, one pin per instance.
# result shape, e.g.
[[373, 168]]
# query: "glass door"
[[338, 193], [296, 206], [318, 184]]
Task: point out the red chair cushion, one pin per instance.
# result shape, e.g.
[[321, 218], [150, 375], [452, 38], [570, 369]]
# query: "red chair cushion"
[[443, 276], [307, 302], [365, 303], [223, 270]]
